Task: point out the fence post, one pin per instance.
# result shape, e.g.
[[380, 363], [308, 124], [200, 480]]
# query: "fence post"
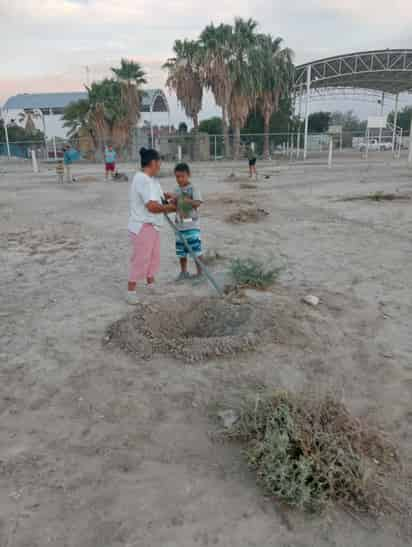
[[330, 157], [34, 161], [54, 148], [179, 152], [215, 137], [7, 139], [399, 146], [410, 146], [298, 147]]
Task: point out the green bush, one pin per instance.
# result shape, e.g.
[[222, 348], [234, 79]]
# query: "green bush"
[[252, 273], [308, 453]]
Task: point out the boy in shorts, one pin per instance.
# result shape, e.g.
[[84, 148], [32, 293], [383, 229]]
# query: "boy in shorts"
[[188, 200]]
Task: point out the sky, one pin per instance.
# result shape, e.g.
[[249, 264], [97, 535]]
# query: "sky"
[[47, 45]]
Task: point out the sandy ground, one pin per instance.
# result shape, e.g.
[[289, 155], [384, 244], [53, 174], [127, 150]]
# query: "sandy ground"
[[99, 448]]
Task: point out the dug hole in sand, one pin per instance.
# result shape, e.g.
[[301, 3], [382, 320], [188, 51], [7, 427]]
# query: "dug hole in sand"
[[195, 328]]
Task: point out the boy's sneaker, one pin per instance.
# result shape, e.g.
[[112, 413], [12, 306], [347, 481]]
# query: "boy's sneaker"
[[183, 276], [132, 298]]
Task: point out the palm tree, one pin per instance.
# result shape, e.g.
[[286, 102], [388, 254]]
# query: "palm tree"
[[27, 117], [185, 78], [275, 70], [76, 116], [244, 76], [107, 114], [131, 77], [216, 52]]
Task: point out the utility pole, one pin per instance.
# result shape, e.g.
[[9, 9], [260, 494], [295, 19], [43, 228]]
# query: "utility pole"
[[6, 132], [307, 114]]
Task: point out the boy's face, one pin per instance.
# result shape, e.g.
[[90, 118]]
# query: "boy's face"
[[182, 178]]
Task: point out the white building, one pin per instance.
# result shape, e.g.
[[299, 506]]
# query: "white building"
[[47, 109]]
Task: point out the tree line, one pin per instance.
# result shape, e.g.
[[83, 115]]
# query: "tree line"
[[245, 70]]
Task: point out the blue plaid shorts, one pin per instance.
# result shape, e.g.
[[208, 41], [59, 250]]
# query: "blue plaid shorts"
[[193, 239]]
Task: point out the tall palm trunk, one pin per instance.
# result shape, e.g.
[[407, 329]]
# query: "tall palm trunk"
[[196, 146], [225, 133], [236, 147], [266, 140]]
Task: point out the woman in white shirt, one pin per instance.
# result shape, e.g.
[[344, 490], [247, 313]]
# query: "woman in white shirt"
[[146, 210]]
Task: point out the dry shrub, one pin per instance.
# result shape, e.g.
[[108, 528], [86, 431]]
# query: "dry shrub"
[[252, 214], [379, 196], [309, 453], [248, 186], [252, 273]]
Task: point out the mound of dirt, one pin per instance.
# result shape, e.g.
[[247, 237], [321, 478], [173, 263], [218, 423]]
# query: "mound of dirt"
[[199, 328], [252, 214]]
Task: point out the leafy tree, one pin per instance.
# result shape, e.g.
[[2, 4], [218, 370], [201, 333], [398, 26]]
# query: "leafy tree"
[[215, 50], [276, 78], [212, 126], [244, 76], [404, 118], [76, 116], [131, 77], [185, 78], [348, 120], [112, 108], [18, 134], [319, 122]]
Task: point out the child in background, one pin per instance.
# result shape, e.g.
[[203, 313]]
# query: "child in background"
[[68, 161], [251, 156], [109, 161], [60, 171], [188, 201]]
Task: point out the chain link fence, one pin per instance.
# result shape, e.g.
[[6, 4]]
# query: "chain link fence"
[[204, 147]]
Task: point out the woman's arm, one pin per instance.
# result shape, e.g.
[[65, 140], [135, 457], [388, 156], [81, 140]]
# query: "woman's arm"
[[157, 208]]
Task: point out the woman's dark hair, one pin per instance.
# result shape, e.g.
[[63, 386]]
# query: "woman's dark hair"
[[147, 155], [182, 168]]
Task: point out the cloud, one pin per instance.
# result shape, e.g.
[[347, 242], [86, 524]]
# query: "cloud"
[[51, 42], [373, 11]]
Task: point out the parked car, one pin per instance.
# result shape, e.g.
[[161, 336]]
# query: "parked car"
[[375, 145]]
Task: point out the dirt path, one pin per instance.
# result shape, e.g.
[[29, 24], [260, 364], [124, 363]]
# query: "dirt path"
[[99, 448]]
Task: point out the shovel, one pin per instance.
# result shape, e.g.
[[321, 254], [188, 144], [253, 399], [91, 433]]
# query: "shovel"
[[202, 267]]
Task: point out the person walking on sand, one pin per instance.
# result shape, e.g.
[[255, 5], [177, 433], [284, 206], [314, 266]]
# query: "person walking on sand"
[[251, 156], [68, 162], [109, 161], [146, 209]]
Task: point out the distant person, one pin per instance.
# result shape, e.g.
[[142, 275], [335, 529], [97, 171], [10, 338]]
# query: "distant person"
[[188, 200], [110, 161], [68, 162], [60, 171], [146, 210], [251, 156]]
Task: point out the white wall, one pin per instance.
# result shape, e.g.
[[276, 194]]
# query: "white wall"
[[54, 123]]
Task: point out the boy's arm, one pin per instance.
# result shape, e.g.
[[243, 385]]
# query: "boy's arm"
[[195, 203], [196, 200]]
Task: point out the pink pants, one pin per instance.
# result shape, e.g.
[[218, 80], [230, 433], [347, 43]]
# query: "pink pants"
[[145, 257]]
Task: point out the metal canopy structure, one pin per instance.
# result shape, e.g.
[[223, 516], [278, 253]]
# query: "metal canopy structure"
[[387, 71]]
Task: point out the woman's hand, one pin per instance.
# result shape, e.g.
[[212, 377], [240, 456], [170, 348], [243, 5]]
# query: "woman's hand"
[[170, 208]]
